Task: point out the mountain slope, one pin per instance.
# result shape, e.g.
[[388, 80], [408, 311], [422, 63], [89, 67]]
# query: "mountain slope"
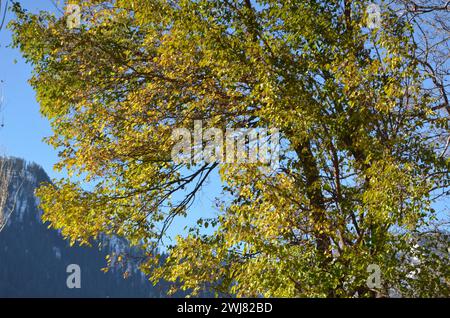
[[34, 259]]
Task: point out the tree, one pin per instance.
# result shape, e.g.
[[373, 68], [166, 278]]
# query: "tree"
[[5, 179], [361, 163], [5, 169], [3, 11], [432, 37], [11, 182]]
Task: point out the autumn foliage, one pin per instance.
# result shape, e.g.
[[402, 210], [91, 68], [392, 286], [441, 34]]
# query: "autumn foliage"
[[361, 164]]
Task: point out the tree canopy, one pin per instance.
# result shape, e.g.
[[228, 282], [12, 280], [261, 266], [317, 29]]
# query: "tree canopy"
[[361, 163]]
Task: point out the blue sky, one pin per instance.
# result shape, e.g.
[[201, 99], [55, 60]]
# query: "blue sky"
[[24, 127]]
